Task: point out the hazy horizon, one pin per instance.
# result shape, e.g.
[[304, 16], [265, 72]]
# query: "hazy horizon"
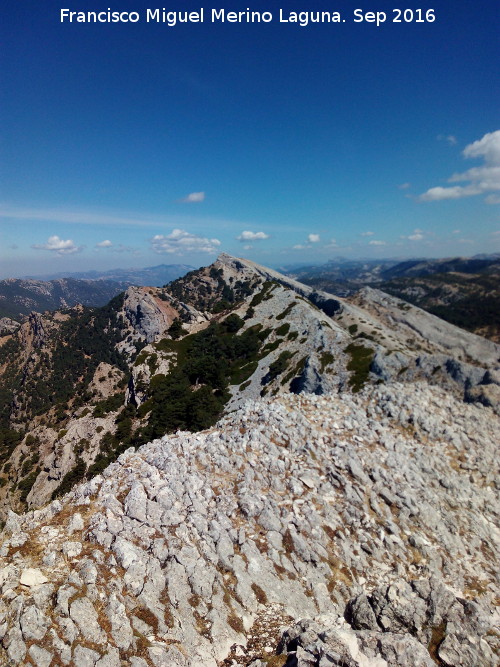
[[289, 266]]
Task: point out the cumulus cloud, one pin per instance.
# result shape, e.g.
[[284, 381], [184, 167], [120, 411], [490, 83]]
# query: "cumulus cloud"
[[193, 198], [377, 242], [477, 180], [404, 186], [367, 233], [252, 236], [104, 244], [417, 235], [59, 246], [313, 238], [179, 242]]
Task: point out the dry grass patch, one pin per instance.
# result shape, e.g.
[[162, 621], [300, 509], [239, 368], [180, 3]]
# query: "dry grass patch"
[[276, 660], [167, 603], [437, 636], [202, 625], [259, 594], [475, 587], [288, 542], [236, 623], [32, 548], [147, 616], [340, 573]]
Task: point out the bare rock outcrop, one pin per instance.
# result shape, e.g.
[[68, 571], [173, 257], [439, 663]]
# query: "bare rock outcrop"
[[330, 529]]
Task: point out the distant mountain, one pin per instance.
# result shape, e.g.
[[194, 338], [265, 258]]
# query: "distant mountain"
[[426, 267], [342, 276], [153, 276], [462, 290], [19, 297], [352, 273]]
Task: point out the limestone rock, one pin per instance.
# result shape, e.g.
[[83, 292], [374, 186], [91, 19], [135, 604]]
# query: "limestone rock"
[[32, 577]]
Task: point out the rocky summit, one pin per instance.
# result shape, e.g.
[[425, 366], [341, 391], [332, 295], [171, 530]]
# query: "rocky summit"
[[353, 529], [238, 469]]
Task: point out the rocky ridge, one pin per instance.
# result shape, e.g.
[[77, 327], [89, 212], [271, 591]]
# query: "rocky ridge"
[[463, 291], [353, 529], [115, 365]]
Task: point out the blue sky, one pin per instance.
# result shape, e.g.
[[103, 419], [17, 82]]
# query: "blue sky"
[[139, 144]]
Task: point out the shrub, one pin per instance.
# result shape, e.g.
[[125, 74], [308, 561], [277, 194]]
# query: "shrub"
[[287, 310], [283, 329], [278, 366], [72, 477], [361, 359], [176, 330]]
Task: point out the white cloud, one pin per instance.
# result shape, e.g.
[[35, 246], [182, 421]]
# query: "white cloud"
[[377, 243], [417, 235], [404, 186], [450, 138], [299, 246], [180, 242], [59, 246], [456, 231], [478, 180], [313, 238], [252, 236], [247, 247], [487, 147], [104, 244], [367, 233], [492, 199], [438, 193], [193, 197]]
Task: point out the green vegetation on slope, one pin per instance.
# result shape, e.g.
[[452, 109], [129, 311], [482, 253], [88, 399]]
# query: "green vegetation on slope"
[[59, 372], [193, 395], [359, 365]]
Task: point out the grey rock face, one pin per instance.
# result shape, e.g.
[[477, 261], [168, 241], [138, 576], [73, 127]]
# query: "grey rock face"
[[8, 326], [33, 623], [365, 524]]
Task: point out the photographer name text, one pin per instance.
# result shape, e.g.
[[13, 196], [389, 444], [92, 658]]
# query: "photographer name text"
[[300, 18]]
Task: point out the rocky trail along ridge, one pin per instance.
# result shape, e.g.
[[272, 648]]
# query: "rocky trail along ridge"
[[349, 529]]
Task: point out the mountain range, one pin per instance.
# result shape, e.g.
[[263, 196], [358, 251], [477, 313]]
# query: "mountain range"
[[151, 275], [462, 290], [19, 297], [266, 474]]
